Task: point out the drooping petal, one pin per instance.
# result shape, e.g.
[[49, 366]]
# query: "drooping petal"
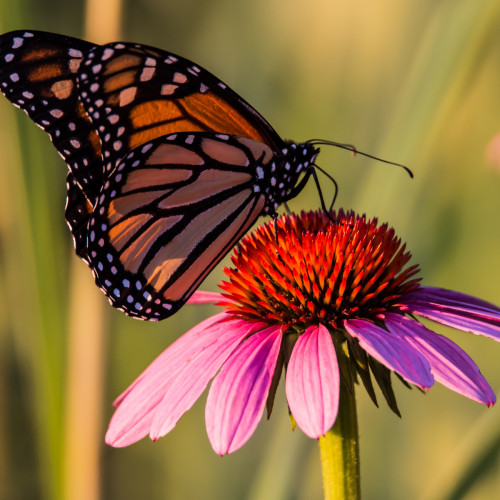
[[450, 365], [154, 374], [238, 394], [457, 310], [137, 405], [190, 380], [391, 351], [201, 297], [313, 382]]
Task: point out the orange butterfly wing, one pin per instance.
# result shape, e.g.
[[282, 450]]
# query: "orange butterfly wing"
[[39, 74], [136, 93], [169, 212]]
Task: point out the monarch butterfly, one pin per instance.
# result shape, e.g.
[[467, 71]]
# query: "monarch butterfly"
[[168, 167]]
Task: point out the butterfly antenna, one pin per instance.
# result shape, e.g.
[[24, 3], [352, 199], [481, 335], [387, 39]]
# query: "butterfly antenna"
[[351, 147]]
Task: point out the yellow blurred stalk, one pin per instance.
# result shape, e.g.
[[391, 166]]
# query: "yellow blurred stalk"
[[86, 342]]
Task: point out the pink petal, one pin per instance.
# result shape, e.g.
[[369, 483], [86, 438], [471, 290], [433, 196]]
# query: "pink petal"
[[391, 351], [154, 374], [450, 365], [188, 382], [201, 297], [238, 394], [137, 405], [312, 382], [457, 310]]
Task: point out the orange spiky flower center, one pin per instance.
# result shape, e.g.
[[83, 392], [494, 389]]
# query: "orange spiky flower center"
[[318, 271]]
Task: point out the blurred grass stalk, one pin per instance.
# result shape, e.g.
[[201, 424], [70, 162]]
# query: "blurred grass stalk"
[[32, 326], [85, 382], [447, 56]]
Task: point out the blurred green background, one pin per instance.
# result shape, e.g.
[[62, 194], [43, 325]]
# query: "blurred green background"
[[416, 82]]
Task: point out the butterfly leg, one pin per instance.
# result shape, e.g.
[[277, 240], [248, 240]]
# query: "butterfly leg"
[[275, 221], [276, 228], [320, 193]]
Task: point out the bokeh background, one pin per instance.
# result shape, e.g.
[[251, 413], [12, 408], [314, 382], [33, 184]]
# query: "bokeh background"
[[416, 82]]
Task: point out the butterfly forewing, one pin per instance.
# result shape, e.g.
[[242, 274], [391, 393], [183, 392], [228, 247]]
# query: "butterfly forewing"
[[173, 207], [39, 74], [135, 94]]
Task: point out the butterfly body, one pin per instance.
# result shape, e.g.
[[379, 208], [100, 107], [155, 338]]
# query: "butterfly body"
[[168, 167]]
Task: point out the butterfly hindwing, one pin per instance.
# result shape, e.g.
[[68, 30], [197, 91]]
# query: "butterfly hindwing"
[[173, 207], [77, 213]]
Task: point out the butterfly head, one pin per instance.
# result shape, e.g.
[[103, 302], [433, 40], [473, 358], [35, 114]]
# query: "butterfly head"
[[283, 180]]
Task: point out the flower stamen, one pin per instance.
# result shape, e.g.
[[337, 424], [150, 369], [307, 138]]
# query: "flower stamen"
[[353, 260]]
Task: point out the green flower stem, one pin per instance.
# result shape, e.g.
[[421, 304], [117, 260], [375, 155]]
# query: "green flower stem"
[[339, 450]]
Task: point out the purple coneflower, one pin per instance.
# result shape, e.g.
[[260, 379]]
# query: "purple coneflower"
[[330, 303]]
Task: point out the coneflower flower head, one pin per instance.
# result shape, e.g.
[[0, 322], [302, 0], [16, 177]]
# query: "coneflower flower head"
[[319, 271], [324, 299]]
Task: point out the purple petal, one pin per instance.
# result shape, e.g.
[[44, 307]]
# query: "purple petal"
[[450, 365], [137, 405], [238, 394], [201, 297], [392, 351], [457, 310], [200, 366], [312, 382]]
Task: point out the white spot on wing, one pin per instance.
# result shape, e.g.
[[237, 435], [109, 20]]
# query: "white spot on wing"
[[168, 89], [107, 53], [127, 95], [56, 113], [75, 53], [17, 42], [179, 78], [147, 74]]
